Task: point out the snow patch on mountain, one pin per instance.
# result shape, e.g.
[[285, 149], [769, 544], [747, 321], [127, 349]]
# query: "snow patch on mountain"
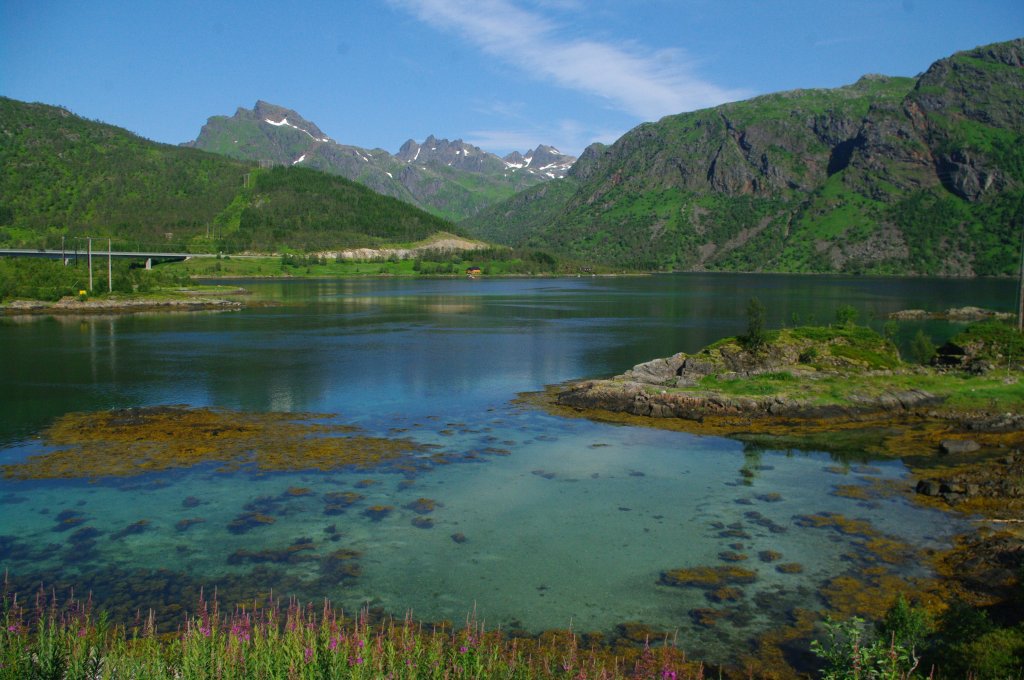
[[284, 121]]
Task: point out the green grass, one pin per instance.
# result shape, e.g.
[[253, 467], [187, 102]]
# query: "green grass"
[[778, 383], [873, 369], [456, 266]]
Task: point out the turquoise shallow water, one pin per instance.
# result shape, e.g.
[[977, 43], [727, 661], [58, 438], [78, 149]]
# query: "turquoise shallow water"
[[565, 521]]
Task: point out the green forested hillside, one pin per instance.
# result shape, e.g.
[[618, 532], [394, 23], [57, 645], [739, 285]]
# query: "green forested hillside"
[[65, 176], [309, 210], [885, 176]]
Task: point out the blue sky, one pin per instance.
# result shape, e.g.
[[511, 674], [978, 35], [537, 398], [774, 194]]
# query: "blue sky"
[[502, 74]]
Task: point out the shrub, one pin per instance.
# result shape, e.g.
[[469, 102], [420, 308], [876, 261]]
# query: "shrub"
[[849, 654], [922, 349], [755, 336], [846, 316]]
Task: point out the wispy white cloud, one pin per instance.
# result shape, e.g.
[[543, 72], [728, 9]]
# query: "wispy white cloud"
[[638, 80], [568, 136]]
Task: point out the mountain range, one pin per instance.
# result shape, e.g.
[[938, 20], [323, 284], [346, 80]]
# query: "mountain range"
[[451, 179], [888, 175]]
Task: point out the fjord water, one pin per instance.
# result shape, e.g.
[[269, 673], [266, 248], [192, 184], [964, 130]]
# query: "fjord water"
[[566, 521]]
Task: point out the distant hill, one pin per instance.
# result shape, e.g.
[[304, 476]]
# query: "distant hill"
[[886, 176], [451, 179], [67, 176]]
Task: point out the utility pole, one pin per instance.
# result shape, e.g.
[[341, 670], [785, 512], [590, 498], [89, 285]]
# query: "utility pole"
[[110, 269], [1020, 291], [63, 260], [89, 239]]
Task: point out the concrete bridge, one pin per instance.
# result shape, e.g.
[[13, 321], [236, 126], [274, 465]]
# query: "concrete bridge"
[[152, 255]]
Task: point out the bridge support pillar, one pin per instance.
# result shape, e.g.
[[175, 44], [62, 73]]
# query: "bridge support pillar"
[[149, 263]]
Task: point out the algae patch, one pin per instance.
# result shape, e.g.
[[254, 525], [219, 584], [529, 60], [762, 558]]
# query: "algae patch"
[[130, 442]]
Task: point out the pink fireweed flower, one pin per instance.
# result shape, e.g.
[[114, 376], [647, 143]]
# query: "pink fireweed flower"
[[309, 655], [82, 632], [332, 644], [463, 649]]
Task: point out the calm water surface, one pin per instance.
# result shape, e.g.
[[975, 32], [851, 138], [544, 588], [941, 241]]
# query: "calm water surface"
[[572, 524]]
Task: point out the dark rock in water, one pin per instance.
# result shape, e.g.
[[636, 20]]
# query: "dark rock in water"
[[248, 521], [378, 512], [954, 487], [952, 446], [264, 505], [639, 633], [422, 506], [340, 566], [133, 528], [929, 487], [459, 537], [292, 554], [84, 534], [184, 524], [10, 546], [705, 617]]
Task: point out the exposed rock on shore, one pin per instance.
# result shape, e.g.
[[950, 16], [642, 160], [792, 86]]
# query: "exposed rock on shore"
[[637, 399], [952, 314], [71, 305]]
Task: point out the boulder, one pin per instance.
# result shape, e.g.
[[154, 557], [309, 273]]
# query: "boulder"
[[656, 371]]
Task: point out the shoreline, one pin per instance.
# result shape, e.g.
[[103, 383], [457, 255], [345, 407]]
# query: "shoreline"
[[959, 429], [176, 301]]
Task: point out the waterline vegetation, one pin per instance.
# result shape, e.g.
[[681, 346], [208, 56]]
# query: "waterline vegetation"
[[47, 638]]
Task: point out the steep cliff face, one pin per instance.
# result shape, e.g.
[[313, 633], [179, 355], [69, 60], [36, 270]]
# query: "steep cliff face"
[[888, 175], [968, 110]]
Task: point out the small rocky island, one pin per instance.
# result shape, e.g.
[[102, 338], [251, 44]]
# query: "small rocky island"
[[803, 376]]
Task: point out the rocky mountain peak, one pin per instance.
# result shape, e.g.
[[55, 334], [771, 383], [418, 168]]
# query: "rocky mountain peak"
[[278, 116], [544, 161], [451, 153]]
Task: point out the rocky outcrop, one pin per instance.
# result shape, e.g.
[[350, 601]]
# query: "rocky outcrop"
[[951, 314], [641, 400]]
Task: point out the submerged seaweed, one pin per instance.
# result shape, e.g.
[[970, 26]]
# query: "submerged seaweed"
[[130, 442]]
